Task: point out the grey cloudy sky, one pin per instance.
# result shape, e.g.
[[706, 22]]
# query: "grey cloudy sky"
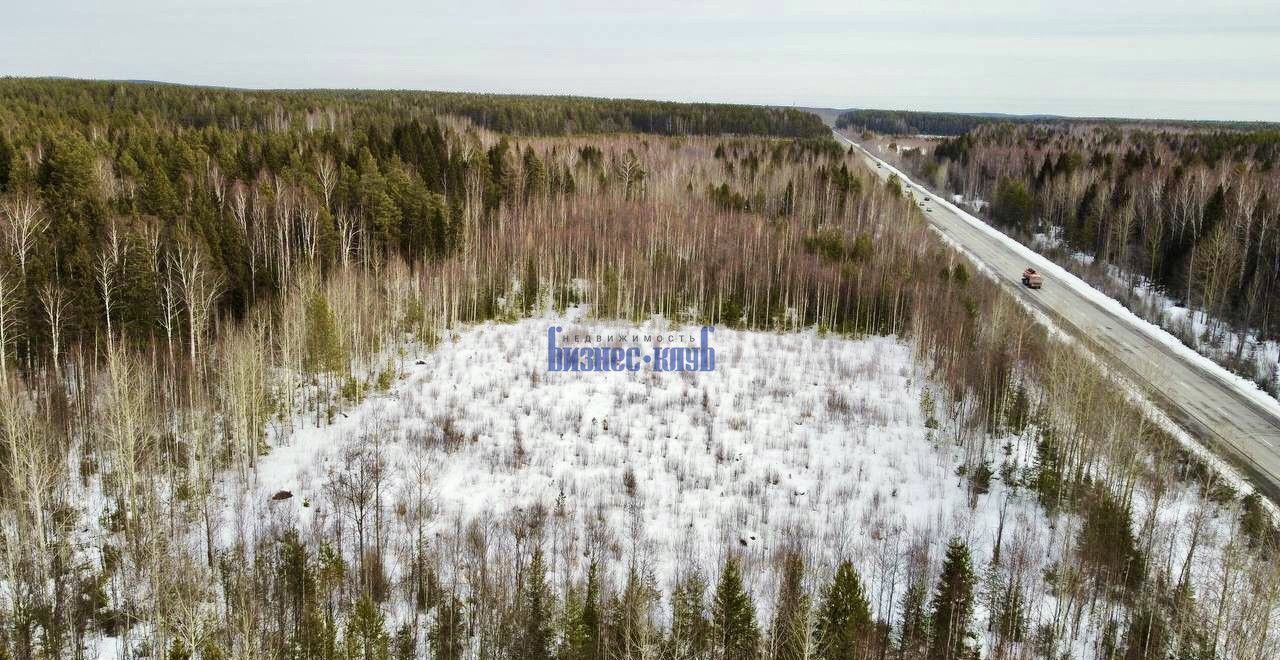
[[1144, 58]]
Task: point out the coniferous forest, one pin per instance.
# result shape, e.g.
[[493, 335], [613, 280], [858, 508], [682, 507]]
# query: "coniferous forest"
[[955, 124], [197, 280]]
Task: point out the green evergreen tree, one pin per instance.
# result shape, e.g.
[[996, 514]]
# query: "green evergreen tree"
[[630, 636], [844, 627], [1014, 205], [324, 352], [1047, 476], [690, 630], [366, 637], [573, 642], [405, 646], [952, 608], [448, 631], [790, 634], [1147, 637], [534, 636], [1107, 545], [913, 639], [586, 628], [6, 162], [733, 618]]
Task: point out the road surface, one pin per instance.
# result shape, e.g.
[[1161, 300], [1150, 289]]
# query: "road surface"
[[1203, 399]]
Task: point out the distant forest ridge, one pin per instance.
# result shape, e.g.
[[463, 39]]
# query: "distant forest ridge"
[[908, 122], [199, 107]]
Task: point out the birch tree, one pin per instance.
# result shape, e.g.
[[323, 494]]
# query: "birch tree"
[[24, 223], [10, 305], [54, 304], [199, 290]]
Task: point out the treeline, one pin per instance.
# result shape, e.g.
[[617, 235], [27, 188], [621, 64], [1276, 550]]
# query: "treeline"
[[530, 615], [200, 107], [907, 122], [1195, 213]]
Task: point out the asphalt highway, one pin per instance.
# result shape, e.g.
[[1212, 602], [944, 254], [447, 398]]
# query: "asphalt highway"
[[1203, 399]]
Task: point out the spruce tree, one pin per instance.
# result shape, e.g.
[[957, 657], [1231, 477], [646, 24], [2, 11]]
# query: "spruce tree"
[[733, 618], [324, 353], [366, 634], [690, 630], [844, 618], [914, 636], [631, 627], [628, 628], [533, 639], [952, 609], [570, 622], [1147, 637], [591, 614], [790, 634], [448, 630], [6, 162]]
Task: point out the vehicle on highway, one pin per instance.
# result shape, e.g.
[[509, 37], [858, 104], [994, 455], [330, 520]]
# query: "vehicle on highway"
[[1032, 279]]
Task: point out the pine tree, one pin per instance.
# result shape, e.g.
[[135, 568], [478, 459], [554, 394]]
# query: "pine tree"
[[844, 617], [366, 635], [405, 644], [1147, 637], [733, 618], [629, 624], [448, 630], [591, 614], [533, 639], [914, 637], [1047, 479], [952, 609], [6, 162], [573, 635], [690, 630], [324, 353], [790, 632]]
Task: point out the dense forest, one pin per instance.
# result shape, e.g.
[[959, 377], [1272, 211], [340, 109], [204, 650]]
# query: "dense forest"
[[1195, 213], [194, 107], [953, 124], [90, 171], [192, 277]]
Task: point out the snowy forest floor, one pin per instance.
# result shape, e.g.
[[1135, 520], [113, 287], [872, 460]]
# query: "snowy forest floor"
[[799, 441]]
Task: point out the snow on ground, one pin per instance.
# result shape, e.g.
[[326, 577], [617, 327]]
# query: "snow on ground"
[[798, 437], [1198, 330], [793, 437]]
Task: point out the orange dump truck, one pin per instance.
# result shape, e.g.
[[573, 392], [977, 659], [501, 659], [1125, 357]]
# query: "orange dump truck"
[[1032, 279]]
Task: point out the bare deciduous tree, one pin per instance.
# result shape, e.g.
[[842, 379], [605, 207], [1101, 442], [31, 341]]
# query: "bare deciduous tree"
[[199, 289], [54, 303], [10, 303], [24, 223]]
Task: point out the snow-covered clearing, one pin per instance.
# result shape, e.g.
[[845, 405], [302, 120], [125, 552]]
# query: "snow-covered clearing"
[[792, 437], [794, 440]]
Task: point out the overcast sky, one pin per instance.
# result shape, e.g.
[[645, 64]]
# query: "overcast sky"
[[1140, 58]]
